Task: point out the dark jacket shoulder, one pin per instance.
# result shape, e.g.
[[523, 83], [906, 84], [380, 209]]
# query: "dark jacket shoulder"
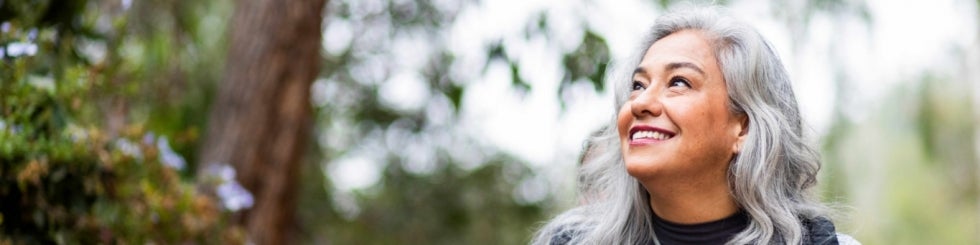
[[820, 231]]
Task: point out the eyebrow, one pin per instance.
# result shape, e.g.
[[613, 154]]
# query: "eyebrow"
[[673, 66], [678, 65], [639, 70]]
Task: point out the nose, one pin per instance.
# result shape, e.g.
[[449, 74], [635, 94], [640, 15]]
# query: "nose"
[[647, 104]]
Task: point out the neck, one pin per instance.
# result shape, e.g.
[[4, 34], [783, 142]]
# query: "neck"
[[691, 203]]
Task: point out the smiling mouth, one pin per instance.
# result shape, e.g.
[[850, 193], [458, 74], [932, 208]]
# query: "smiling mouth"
[[643, 132]]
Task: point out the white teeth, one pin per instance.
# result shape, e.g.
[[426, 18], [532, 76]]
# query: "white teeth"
[[650, 134]]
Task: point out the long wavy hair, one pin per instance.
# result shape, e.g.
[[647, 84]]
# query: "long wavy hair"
[[769, 179]]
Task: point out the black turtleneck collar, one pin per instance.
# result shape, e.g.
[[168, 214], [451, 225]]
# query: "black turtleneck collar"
[[712, 232]]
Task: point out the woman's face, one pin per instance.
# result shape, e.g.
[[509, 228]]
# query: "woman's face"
[[676, 123]]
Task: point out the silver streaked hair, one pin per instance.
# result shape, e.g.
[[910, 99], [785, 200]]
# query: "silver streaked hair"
[[770, 178]]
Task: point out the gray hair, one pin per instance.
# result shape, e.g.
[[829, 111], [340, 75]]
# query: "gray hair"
[[769, 179]]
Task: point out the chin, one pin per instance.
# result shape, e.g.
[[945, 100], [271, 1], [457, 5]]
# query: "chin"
[[641, 168]]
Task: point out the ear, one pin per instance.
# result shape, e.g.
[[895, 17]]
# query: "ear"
[[740, 128]]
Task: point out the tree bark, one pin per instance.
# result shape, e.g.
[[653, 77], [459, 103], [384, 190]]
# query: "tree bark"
[[260, 120]]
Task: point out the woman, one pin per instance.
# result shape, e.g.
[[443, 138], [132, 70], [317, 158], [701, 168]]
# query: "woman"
[[707, 148]]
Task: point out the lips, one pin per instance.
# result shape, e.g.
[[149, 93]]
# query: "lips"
[[645, 133]]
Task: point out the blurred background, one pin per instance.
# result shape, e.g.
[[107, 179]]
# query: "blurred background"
[[436, 121]]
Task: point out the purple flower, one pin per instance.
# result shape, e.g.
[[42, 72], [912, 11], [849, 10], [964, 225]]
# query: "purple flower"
[[21, 49], [128, 148], [32, 34], [233, 196], [148, 138], [167, 155]]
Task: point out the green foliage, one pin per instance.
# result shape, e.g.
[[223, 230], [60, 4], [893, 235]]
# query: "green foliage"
[[588, 62], [74, 185], [449, 203], [907, 169], [78, 163], [82, 161], [48, 185], [449, 206]]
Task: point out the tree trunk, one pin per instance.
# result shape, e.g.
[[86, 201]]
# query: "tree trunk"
[[260, 121]]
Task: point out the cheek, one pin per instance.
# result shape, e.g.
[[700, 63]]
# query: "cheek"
[[623, 120], [688, 115], [698, 116], [706, 125]]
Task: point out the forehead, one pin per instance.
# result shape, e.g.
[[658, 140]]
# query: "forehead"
[[686, 45]]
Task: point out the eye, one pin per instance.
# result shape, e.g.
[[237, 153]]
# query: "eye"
[[678, 81], [637, 85]]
